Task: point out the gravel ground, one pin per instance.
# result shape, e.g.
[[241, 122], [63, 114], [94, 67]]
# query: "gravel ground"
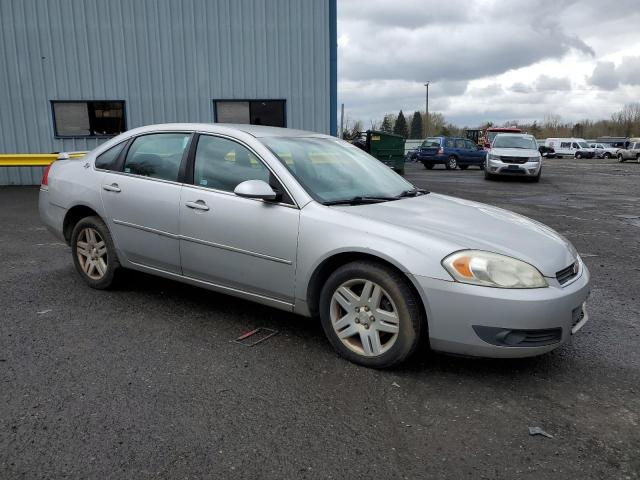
[[144, 382]]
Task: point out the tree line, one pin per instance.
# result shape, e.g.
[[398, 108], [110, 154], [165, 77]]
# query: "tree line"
[[623, 123]]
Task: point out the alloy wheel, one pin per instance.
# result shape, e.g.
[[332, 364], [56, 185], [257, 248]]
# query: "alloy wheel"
[[453, 163], [364, 317], [92, 253]]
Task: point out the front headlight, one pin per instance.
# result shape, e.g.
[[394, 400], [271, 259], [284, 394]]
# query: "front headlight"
[[477, 267], [491, 156], [534, 159]]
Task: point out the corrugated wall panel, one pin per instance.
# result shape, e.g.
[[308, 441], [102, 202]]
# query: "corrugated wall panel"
[[167, 59]]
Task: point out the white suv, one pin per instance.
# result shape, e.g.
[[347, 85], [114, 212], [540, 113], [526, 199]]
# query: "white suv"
[[515, 155]]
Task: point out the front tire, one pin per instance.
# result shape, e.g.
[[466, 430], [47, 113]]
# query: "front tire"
[[370, 314], [620, 158], [94, 253], [578, 155], [452, 163]]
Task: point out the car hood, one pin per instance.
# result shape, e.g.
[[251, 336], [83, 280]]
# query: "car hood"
[[464, 224], [515, 152]]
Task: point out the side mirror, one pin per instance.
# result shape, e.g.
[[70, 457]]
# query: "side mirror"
[[255, 189]]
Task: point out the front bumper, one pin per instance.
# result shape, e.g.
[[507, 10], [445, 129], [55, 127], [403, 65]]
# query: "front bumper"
[[455, 311], [528, 169]]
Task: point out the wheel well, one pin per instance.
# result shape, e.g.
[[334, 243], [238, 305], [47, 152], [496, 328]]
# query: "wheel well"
[[331, 264], [73, 216]]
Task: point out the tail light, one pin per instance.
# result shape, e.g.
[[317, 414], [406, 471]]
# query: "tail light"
[[440, 151], [45, 175]]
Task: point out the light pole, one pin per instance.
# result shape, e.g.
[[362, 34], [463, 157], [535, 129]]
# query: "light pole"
[[426, 117]]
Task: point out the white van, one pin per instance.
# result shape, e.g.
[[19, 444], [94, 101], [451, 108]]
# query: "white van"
[[569, 146]]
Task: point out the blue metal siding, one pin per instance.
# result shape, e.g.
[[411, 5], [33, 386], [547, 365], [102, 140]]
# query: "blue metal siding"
[[167, 59]]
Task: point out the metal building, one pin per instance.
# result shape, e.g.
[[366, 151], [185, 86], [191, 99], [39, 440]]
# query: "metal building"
[[75, 72]]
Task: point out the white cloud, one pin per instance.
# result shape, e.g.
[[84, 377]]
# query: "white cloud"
[[489, 59]]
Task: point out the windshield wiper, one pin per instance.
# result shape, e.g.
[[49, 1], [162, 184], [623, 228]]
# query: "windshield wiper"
[[360, 200], [414, 192]]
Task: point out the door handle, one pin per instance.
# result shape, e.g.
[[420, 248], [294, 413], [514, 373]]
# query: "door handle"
[[112, 188], [197, 205]]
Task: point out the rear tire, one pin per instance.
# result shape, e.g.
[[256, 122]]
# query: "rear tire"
[[387, 327], [94, 253], [578, 155], [452, 163], [607, 155]]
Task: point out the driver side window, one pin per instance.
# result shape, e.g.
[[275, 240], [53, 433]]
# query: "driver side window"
[[223, 164]]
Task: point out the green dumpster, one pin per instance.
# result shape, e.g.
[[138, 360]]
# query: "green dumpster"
[[386, 147]]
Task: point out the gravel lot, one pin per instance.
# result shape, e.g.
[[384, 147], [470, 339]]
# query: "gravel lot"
[[144, 381]]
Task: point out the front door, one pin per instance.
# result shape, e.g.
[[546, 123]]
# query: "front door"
[[240, 243], [142, 200]]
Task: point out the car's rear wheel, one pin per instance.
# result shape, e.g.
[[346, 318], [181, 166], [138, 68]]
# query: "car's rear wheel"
[[607, 155], [578, 155], [452, 163], [94, 254], [370, 314], [638, 158], [620, 158]]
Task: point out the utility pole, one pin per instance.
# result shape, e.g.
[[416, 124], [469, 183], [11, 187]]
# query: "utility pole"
[[426, 118], [342, 121]]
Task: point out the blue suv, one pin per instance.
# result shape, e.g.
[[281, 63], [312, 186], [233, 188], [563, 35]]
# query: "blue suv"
[[452, 152]]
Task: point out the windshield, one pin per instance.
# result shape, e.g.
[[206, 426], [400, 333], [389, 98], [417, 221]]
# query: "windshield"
[[431, 142], [514, 141], [332, 170]]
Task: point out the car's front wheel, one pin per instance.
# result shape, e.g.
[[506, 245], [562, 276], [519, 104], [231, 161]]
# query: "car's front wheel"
[[370, 314], [620, 158], [94, 254], [578, 155]]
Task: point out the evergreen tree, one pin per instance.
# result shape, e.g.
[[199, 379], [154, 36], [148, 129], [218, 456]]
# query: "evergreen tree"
[[386, 126], [416, 126], [401, 128]]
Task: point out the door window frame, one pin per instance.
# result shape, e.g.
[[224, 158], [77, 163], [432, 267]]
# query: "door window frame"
[[190, 168]]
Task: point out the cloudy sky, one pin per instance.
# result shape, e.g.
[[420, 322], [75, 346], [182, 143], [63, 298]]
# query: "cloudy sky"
[[488, 60]]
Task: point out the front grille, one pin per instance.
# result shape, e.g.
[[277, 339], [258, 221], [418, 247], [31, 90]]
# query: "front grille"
[[538, 338], [566, 274], [519, 160]]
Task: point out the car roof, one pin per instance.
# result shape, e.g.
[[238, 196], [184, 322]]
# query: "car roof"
[[258, 131]]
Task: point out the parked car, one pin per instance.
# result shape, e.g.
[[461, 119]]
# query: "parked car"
[[604, 150], [632, 152], [572, 147], [313, 225], [547, 152], [452, 152], [514, 154]]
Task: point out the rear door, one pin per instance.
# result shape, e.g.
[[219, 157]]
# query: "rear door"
[[142, 196], [476, 156]]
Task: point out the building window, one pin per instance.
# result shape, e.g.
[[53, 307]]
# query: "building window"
[[88, 119], [254, 112]]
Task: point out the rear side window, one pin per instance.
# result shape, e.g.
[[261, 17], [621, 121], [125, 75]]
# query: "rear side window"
[[448, 143], [157, 155], [565, 145], [108, 159], [575, 145], [460, 143]]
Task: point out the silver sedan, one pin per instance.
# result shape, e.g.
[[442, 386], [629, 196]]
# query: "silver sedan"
[[310, 224]]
